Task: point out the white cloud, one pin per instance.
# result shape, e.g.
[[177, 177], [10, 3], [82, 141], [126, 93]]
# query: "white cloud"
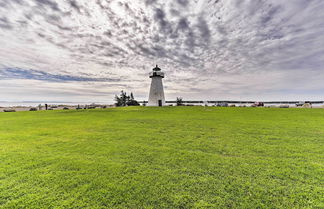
[[233, 49]]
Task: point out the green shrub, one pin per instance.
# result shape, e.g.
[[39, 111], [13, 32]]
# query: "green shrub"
[[9, 110]]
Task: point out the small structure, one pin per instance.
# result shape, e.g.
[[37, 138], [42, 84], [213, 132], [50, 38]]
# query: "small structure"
[[156, 97]]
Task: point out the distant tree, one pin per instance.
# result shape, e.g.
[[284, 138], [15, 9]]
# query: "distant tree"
[[132, 101], [121, 99], [124, 100], [118, 100], [179, 101]]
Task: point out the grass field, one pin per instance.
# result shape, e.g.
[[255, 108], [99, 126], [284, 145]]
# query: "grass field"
[[171, 157]]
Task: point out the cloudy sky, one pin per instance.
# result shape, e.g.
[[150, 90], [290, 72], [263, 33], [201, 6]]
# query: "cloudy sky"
[[89, 50]]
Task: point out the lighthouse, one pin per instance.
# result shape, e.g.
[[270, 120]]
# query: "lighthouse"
[[156, 97]]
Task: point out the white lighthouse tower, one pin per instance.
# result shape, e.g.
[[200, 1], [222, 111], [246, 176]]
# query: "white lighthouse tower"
[[156, 97]]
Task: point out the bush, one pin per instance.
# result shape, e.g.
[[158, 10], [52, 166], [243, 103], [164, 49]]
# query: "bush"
[[9, 110], [65, 108], [132, 103], [33, 109], [179, 101]]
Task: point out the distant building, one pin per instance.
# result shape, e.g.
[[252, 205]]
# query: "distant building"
[[156, 97]]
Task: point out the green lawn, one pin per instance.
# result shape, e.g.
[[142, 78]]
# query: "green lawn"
[[171, 157]]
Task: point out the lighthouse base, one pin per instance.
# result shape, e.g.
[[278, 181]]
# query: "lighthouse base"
[[156, 97]]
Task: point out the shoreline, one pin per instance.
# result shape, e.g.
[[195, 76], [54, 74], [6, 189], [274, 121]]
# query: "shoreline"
[[22, 108]]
